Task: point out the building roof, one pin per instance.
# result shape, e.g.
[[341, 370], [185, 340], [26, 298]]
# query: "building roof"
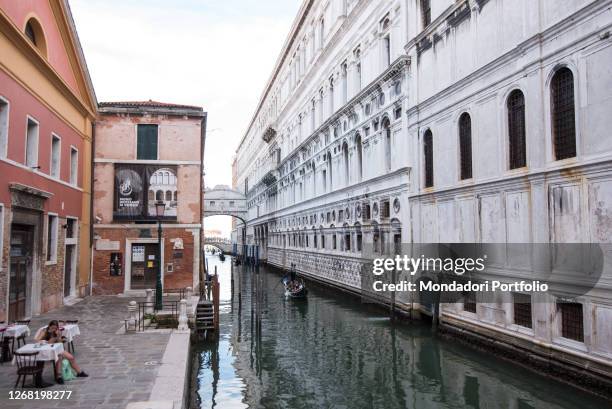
[[150, 106]]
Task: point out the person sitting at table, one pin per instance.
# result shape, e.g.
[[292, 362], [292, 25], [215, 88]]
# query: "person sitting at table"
[[52, 335]]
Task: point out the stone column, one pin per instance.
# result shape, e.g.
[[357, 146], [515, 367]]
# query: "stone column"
[[188, 295], [149, 300], [133, 314], [182, 320]]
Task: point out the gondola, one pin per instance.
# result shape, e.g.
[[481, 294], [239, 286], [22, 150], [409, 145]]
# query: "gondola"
[[294, 287]]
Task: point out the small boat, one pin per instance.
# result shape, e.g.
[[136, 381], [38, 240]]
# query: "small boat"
[[221, 257], [294, 288]]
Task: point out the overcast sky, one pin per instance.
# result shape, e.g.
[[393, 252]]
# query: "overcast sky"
[[217, 54]]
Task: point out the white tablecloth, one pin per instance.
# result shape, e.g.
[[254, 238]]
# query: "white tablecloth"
[[16, 330], [46, 352], [69, 331]]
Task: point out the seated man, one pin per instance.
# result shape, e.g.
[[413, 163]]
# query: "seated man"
[[52, 335]]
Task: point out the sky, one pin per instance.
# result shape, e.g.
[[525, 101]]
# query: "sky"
[[217, 54]]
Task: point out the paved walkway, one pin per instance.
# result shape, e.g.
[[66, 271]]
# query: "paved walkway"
[[122, 368]]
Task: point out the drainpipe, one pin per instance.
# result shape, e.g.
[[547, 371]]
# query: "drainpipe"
[[202, 144], [91, 204]]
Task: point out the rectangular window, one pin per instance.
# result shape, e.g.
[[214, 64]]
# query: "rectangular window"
[[55, 156], [426, 12], [522, 310], [51, 238], [74, 166], [347, 242], [428, 158], [359, 241], [385, 209], [333, 241], [469, 302], [572, 325], [31, 157], [70, 228], [386, 51], [323, 241], [322, 33], [4, 121], [147, 142]]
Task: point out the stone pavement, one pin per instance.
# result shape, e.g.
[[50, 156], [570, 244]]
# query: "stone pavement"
[[122, 368]]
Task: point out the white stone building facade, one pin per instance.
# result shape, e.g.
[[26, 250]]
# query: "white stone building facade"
[[414, 121]]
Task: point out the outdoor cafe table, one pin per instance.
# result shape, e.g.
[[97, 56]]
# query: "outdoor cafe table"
[[67, 330], [9, 331], [46, 352], [14, 330]]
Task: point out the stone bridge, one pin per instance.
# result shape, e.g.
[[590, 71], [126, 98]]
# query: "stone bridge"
[[223, 200], [223, 244]]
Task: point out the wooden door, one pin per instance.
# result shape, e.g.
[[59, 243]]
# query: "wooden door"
[[21, 252]]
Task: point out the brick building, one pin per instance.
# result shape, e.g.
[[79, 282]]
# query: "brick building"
[[147, 152], [47, 108]]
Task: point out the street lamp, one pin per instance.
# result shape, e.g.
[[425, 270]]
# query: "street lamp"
[[160, 208]]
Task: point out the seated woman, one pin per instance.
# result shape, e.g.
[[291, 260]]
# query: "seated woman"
[[52, 335]]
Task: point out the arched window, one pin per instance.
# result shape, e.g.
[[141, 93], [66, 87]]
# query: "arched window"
[[563, 114], [517, 144], [345, 163], [465, 145], [358, 153], [387, 143], [159, 195], [428, 158], [168, 196], [176, 196], [33, 30]]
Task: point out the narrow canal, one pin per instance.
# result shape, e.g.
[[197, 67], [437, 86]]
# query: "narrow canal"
[[332, 351]]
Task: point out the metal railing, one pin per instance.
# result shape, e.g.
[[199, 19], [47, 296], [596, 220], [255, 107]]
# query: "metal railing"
[[147, 311]]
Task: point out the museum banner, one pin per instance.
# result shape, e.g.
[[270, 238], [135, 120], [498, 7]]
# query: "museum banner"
[[138, 187]]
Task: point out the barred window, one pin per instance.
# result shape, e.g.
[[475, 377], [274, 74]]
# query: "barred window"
[[426, 12], [563, 114], [522, 310], [469, 302], [428, 155], [465, 145], [516, 130], [572, 326]]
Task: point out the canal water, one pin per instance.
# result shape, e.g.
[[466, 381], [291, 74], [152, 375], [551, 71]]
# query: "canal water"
[[332, 351]]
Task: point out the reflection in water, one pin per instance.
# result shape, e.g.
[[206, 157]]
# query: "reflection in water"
[[331, 351]]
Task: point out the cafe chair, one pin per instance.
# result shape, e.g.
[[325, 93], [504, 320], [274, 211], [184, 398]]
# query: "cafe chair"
[[70, 345], [27, 365], [21, 340]]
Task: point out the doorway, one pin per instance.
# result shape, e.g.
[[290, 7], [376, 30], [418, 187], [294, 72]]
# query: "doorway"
[[144, 266], [21, 260], [69, 270], [70, 257]]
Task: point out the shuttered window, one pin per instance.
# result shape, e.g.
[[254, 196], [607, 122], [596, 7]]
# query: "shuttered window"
[[147, 142], [563, 114], [465, 145], [516, 130]]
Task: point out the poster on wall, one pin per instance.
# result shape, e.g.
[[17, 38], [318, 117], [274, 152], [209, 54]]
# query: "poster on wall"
[[139, 187]]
